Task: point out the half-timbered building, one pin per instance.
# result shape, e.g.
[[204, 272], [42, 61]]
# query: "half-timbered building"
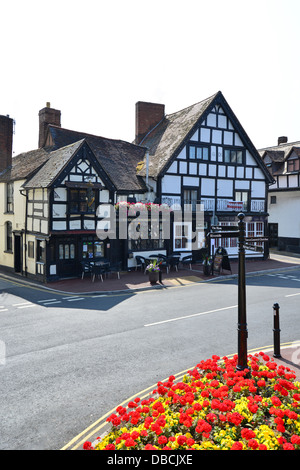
[[283, 161], [54, 197], [202, 155]]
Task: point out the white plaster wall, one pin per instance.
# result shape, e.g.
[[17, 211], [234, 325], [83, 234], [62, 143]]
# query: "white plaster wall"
[[171, 184], [286, 213]]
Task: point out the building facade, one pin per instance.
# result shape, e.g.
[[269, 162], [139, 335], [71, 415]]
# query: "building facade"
[[202, 155], [55, 198], [283, 161]]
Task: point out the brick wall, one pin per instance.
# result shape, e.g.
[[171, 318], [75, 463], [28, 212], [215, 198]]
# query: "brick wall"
[[6, 139], [47, 116], [146, 117]]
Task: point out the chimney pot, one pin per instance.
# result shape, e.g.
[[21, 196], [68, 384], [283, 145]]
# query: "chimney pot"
[[147, 116]]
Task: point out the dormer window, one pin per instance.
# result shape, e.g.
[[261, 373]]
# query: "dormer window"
[[293, 165]]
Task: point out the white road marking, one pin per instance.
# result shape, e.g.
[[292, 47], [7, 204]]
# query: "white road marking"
[[190, 316], [53, 302], [73, 300]]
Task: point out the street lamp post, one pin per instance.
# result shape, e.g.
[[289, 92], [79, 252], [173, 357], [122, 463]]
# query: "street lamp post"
[[242, 317], [244, 242]]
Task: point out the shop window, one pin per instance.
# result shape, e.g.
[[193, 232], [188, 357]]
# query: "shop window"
[[40, 251], [66, 251], [92, 248], [154, 241]]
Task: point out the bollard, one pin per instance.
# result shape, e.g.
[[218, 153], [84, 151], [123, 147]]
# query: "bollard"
[[276, 331]]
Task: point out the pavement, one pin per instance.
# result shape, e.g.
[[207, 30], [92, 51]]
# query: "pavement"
[[137, 280]]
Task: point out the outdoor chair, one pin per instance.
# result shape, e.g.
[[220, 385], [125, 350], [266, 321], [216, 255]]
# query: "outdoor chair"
[[141, 262], [115, 268], [85, 268], [187, 261], [173, 261], [163, 262], [98, 270]]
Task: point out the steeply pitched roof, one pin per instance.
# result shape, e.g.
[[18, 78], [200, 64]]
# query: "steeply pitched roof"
[[118, 158], [167, 137], [53, 166]]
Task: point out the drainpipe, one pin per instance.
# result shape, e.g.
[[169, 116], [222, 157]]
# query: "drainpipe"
[[147, 175], [25, 231]]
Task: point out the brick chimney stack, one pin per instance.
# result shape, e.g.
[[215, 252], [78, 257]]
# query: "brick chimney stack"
[[6, 140], [47, 116], [147, 116]]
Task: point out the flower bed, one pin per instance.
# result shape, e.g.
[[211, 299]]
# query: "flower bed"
[[214, 407]]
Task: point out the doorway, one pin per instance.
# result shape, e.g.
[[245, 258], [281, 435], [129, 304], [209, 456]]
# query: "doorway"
[[18, 253], [273, 235]]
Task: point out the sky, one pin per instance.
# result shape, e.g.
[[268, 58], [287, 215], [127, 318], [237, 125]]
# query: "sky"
[[94, 60]]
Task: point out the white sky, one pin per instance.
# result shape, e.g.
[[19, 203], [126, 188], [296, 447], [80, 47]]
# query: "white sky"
[[95, 59]]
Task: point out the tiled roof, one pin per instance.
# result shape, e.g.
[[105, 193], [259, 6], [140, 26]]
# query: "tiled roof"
[[53, 166], [278, 150], [118, 158], [278, 155], [167, 137], [24, 165]]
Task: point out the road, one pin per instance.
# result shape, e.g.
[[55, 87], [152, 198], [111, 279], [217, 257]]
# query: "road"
[[67, 360]]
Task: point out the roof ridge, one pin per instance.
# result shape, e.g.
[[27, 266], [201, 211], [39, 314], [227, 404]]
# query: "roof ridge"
[[86, 134], [210, 98], [287, 144]]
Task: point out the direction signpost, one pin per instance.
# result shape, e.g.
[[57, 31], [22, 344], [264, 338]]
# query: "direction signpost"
[[244, 243]]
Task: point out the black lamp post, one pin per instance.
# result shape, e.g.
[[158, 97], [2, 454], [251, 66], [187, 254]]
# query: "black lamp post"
[[242, 320]]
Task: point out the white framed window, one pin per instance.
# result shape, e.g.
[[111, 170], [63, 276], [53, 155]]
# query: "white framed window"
[[182, 236]]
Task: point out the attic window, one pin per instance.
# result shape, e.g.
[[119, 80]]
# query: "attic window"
[[293, 165]]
